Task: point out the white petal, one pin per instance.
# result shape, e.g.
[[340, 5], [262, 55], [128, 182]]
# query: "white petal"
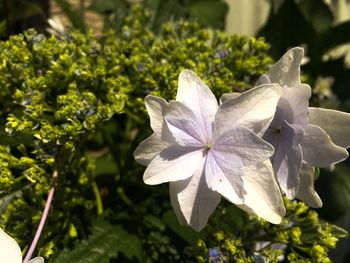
[[10, 252], [224, 179], [335, 123], [307, 191], [263, 79], [288, 155], [287, 167], [149, 148], [294, 103], [174, 189], [229, 96], [197, 201], [262, 195], [253, 109], [240, 146], [156, 108], [286, 71], [184, 126], [193, 93], [173, 164], [185, 132], [319, 150], [36, 260]]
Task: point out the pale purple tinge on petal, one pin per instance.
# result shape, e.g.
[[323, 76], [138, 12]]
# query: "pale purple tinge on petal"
[[223, 178], [286, 71], [185, 131], [294, 104], [9, 249], [288, 156], [197, 201], [184, 126], [287, 171], [300, 103], [196, 95], [149, 148], [172, 164], [253, 109], [307, 192], [318, 148], [335, 123], [240, 146], [156, 108], [161, 138], [262, 195]]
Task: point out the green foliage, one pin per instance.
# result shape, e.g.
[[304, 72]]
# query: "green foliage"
[[73, 15], [74, 104], [336, 187], [210, 13], [9, 14], [105, 242], [301, 237]]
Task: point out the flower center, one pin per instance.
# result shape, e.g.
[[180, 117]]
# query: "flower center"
[[207, 148], [278, 129]]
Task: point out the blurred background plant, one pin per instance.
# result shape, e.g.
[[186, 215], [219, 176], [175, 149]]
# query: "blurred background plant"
[[74, 103]]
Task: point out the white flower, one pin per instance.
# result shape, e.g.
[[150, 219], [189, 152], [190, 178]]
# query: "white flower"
[[206, 151], [301, 134], [10, 252]]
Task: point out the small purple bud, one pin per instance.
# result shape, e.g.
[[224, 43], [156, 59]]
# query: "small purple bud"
[[140, 67], [148, 91], [222, 54], [214, 255]]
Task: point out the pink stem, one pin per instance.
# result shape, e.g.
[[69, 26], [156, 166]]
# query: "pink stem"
[[42, 220]]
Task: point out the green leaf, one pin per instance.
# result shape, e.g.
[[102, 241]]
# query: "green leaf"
[[106, 165], [104, 243], [334, 190], [164, 10], [316, 173], [185, 232], [108, 6], [74, 16], [27, 10], [339, 35], [339, 232], [209, 12], [287, 28], [318, 14], [2, 26]]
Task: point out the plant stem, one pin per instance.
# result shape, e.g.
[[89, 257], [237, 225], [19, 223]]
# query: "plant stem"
[[43, 218], [98, 199]]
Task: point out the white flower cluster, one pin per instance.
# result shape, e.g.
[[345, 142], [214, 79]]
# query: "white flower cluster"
[[11, 252], [250, 149]]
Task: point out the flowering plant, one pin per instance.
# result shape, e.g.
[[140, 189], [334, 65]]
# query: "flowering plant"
[[72, 114]]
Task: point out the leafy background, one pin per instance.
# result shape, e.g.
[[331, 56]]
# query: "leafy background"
[[76, 106]]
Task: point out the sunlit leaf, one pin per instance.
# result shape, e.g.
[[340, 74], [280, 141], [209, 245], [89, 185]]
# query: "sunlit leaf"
[[105, 242]]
